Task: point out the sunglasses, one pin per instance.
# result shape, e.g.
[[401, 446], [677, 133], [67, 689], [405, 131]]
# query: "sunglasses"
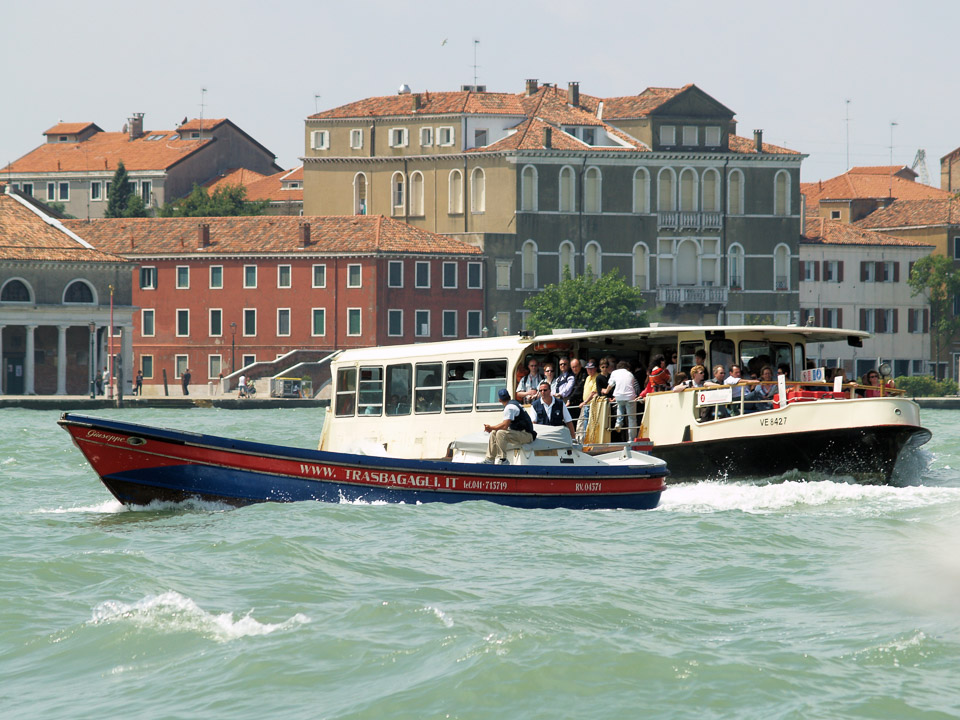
[[544, 390]]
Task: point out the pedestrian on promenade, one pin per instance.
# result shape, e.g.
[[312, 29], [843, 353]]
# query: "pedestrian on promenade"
[[185, 381], [138, 387]]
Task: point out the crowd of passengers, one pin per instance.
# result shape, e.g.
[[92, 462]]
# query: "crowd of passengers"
[[560, 392]]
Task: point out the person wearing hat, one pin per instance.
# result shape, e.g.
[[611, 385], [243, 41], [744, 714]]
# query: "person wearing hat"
[[514, 430], [589, 393]]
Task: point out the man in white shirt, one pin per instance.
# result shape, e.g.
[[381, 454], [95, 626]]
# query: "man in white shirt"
[[242, 386], [551, 411]]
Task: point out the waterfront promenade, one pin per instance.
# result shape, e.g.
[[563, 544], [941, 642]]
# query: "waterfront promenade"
[[85, 402]]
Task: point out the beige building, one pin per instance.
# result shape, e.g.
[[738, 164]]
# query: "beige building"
[[657, 185]]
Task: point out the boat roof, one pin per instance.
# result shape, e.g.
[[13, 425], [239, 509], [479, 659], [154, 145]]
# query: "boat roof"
[[658, 332]]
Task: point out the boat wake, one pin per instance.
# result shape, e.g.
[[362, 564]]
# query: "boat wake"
[[767, 497], [173, 612], [107, 507], [111, 507]]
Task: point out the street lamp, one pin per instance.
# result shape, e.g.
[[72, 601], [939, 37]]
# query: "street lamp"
[[92, 363], [233, 348]]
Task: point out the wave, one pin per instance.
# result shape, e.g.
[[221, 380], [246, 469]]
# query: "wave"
[[173, 612], [712, 496], [109, 506]]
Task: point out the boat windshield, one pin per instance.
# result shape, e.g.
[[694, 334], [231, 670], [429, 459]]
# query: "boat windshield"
[[756, 354]]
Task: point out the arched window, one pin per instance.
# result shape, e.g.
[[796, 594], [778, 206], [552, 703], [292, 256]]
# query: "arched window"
[[641, 191], [781, 267], [591, 190], [666, 190], [711, 191], [688, 190], [640, 266], [566, 260], [528, 189], [78, 292], [455, 183], [781, 193], [398, 193], [568, 190], [416, 193], [591, 260], [735, 193], [686, 262], [15, 291], [735, 266], [528, 263], [478, 191], [360, 194]]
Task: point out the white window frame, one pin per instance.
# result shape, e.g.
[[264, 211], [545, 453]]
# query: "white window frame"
[[51, 192], [567, 248], [63, 197], [210, 368], [691, 135], [355, 311], [504, 271], [445, 267], [454, 201], [426, 137], [738, 210], [449, 132], [417, 193], [393, 313], [478, 198], [416, 275], [289, 284], [787, 202], [870, 271], [280, 312], [670, 175], [786, 267], [243, 318], [597, 271], [668, 135], [474, 317], [529, 262], [248, 359], [567, 203], [529, 187], [478, 267], [399, 137], [185, 286], [319, 139], [313, 275], [179, 360], [153, 277], [96, 191], [644, 205], [356, 139], [592, 201], [645, 270], [351, 269], [313, 322], [177, 322], [210, 277], [391, 264], [397, 209], [246, 268], [145, 375], [210, 312], [712, 136], [443, 323], [831, 271], [143, 322], [419, 315]]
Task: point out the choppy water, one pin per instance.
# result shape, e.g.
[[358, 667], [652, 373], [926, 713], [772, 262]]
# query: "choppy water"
[[786, 599]]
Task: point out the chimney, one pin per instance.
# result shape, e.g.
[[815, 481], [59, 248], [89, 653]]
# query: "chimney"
[[531, 86], [758, 140], [573, 94], [416, 101], [203, 235], [548, 137], [304, 234], [135, 123]]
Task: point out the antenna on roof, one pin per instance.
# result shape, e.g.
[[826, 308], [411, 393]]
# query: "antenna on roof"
[[847, 121], [316, 102], [476, 43], [203, 94], [893, 124]]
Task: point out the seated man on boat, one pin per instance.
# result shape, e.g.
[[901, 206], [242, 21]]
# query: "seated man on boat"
[[514, 430], [550, 410]]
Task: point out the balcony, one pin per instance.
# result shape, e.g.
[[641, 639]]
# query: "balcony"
[[691, 295], [683, 220]]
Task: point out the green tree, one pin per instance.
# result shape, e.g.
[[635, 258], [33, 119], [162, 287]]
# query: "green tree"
[[120, 192], [936, 278], [226, 201], [607, 303]]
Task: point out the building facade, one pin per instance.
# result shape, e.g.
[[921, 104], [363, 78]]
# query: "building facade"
[[57, 297], [656, 185], [218, 294], [76, 163], [853, 278]]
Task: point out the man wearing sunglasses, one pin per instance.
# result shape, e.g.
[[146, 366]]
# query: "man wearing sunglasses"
[[550, 411]]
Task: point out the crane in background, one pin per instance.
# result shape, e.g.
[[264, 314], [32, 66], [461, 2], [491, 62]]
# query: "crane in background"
[[921, 161]]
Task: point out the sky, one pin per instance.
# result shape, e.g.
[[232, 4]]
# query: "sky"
[[787, 68]]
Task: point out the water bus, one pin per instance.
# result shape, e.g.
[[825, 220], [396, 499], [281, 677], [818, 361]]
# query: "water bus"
[[414, 400]]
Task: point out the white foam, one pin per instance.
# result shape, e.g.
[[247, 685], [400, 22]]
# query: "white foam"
[[440, 615], [173, 612], [108, 507], [752, 498]]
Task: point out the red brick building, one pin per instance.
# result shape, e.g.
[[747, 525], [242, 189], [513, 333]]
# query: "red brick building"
[[220, 293]]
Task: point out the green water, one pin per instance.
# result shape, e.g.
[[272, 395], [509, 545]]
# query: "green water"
[[785, 599]]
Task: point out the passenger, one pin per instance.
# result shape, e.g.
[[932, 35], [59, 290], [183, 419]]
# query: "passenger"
[[589, 393], [672, 366], [550, 411], [514, 430], [761, 396], [563, 385], [717, 411], [698, 374], [734, 379], [579, 378], [700, 357], [625, 390], [603, 377], [527, 387], [784, 369], [659, 378], [878, 389], [549, 375]]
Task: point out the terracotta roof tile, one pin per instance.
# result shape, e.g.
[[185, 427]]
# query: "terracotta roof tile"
[[205, 124], [235, 176], [885, 170], [914, 213], [869, 183], [349, 234], [744, 145], [632, 106], [70, 128], [832, 232], [262, 187], [27, 234]]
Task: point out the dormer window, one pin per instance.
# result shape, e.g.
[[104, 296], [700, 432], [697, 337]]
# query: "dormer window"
[[480, 137], [590, 136], [668, 135], [712, 136], [690, 135], [63, 138], [194, 135]]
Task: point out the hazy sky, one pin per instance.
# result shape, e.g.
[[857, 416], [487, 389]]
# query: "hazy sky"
[[785, 67]]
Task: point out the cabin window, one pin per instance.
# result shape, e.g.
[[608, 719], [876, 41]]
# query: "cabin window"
[[492, 377], [688, 355], [799, 361], [370, 396], [459, 387], [721, 353], [755, 354], [399, 389], [428, 391], [346, 391]]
